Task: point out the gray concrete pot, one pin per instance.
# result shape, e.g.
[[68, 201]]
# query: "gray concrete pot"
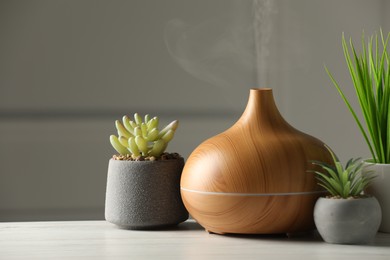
[[347, 221], [144, 194]]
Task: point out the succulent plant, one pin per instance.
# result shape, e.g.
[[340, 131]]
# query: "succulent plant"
[[343, 182], [142, 138]]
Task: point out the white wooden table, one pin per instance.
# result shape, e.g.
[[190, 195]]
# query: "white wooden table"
[[101, 240]]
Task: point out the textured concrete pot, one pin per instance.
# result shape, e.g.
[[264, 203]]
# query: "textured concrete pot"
[[347, 221], [144, 194], [380, 189]]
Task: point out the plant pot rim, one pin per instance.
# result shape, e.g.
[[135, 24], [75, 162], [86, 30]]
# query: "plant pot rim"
[[148, 161], [367, 196], [370, 161]]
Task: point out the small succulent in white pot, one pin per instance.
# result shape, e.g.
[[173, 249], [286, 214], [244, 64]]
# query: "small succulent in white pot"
[[346, 216], [143, 181]]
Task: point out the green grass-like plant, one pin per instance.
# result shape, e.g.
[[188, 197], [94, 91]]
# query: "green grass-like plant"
[[142, 138], [370, 74], [343, 182]]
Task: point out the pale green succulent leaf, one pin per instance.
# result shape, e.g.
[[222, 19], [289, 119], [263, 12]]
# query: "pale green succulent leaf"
[[174, 125], [137, 131], [142, 144], [171, 126], [122, 131], [117, 145], [137, 137], [127, 125], [153, 135], [153, 123], [144, 130], [147, 118], [137, 119], [124, 141], [133, 124], [133, 147], [168, 136], [158, 148]]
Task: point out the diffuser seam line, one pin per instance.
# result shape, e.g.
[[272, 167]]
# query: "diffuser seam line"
[[254, 194]]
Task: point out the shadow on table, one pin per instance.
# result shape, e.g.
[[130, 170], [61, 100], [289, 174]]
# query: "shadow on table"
[[381, 239], [185, 226]]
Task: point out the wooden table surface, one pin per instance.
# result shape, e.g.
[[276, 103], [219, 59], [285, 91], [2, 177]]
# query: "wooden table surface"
[[102, 240]]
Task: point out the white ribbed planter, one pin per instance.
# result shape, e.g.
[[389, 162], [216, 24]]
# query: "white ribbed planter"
[[380, 188], [144, 194]]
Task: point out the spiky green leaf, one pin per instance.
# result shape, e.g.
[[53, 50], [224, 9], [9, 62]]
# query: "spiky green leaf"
[[370, 75], [340, 181]]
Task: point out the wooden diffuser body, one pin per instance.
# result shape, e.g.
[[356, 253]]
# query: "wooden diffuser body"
[[253, 178]]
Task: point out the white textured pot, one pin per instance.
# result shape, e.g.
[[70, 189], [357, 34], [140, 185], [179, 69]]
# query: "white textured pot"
[[144, 194], [380, 188], [347, 221]]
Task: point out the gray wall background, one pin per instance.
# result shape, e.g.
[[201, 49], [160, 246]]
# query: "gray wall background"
[[69, 68]]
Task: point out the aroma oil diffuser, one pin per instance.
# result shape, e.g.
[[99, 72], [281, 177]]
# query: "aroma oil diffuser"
[[253, 178]]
